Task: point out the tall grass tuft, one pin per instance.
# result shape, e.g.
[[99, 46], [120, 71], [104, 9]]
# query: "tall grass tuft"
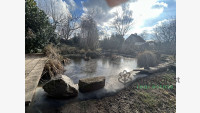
[[147, 59], [52, 52], [54, 65]]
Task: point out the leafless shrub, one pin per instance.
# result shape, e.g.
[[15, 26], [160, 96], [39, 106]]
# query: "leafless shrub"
[[54, 65], [52, 52], [147, 59]]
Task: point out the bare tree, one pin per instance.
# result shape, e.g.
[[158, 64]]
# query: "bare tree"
[[65, 21], [55, 9], [123, 22], [70, 26], [144, 35], [89, 33], [165, 35]]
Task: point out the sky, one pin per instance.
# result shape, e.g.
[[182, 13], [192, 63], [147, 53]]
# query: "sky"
[[147, 14]]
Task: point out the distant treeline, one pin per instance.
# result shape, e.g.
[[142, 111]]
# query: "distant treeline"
[[40, 30]]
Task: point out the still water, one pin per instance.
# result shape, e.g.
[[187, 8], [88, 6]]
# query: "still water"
[[79, 68]]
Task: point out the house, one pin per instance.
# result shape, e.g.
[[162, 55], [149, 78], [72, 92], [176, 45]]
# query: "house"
[[135, 39], [133, 43]]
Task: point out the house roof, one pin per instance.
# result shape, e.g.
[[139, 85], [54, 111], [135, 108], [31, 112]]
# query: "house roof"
[[135, 38]]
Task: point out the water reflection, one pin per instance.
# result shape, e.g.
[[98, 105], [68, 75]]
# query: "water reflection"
[[79, 68]]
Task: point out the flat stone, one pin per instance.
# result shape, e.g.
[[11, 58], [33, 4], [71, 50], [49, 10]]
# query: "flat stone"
[[91, 84], [160, 68], [138, 69]]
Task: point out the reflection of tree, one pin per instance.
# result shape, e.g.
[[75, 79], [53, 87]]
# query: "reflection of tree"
[[99, 67], [115, 63], [104, 61], [90, 67], [77, 61]]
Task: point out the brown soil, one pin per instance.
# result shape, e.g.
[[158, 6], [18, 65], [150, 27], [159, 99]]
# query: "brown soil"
[[132, 99]]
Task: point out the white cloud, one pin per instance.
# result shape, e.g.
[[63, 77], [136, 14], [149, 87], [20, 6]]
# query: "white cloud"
[[57, 11], [73, 4], [56, 8], [98, 8], [161, 4], [142, 11], [150, 30]]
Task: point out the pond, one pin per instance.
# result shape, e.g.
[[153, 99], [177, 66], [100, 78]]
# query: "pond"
[[79, 68]]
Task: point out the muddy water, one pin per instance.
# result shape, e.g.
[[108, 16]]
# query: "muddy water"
[[79, 68]]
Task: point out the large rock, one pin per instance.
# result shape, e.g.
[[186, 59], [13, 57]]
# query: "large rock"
[[61, 86], [91, 84]]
